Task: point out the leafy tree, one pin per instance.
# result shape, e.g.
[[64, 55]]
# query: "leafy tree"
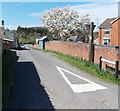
[[95, 34], [63, 23], [27, 35]]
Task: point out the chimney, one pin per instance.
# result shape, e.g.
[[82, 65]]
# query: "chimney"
[[3, 23]]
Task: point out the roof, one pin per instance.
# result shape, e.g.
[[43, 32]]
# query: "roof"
[[115, 20], [8, 39], [41, 38], [107, 23], [38, 37], [73, 37]]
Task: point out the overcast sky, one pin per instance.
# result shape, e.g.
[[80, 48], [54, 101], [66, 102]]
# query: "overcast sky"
[[28, 13]]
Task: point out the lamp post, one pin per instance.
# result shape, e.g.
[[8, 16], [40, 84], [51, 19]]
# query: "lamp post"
[[90, 27]]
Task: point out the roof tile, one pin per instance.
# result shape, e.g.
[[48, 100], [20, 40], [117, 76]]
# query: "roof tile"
[[106, 23]]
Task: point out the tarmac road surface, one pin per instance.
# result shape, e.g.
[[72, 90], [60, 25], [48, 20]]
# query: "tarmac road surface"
[[42, 81]]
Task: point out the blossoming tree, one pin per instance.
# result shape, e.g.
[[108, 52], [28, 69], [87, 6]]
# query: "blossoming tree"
[[63, 23]]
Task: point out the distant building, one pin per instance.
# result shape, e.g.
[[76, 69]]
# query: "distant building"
[[10, 37], [7, 39], [41, 42], [73, 38], [2, 32], [109, 33]]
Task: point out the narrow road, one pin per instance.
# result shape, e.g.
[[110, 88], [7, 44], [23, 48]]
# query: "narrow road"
[[42, 81]]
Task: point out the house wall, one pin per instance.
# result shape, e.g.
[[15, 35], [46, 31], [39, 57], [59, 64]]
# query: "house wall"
[[36, 46], [101, 35], [7, 45], [1, 49], [82, 51], [115, 40], [9, 35], [1, 32], [40, 44]]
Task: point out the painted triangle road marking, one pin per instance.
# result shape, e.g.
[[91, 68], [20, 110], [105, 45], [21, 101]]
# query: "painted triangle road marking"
[[79, 88]]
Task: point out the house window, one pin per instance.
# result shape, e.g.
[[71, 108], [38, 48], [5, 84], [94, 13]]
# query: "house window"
[[106, 41], [107, 31]]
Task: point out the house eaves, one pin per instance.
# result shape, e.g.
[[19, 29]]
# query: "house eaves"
[[115, 20], [42, 38], [11, 40]]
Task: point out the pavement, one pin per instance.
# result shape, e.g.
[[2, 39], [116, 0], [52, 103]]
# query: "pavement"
[[42, 81]]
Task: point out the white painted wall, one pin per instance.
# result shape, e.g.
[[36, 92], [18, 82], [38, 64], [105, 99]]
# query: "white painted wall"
[[12, 36], [9, 35]]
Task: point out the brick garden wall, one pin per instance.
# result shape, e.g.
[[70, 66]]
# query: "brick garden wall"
[[1, 50], [36, 46], [69, 48], [82, 51], [7, 45]]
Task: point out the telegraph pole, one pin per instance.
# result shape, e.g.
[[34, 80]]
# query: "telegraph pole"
[[91, 45]]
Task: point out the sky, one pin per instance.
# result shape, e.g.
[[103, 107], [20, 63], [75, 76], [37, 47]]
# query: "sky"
[[27, 13]]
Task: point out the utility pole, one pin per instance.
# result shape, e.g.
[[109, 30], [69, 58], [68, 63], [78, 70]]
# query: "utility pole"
[[91, 45]]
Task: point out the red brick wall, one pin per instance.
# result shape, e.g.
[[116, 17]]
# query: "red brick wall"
[[115, 40], [109, 53], [68, 48], [101, 35], [36, 46], [82, 50]]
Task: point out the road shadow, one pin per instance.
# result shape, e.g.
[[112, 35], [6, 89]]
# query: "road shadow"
[[27, 92], [20, 48]]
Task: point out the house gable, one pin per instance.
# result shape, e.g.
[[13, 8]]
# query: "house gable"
[[108, 32], [115, 40], [107, 23]]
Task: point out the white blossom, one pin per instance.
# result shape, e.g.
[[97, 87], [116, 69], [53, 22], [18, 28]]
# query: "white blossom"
[[61, 22]]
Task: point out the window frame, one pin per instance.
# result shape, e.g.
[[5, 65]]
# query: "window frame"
[[107, 41], [106, 30]]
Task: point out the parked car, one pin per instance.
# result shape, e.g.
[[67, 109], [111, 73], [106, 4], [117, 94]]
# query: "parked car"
[[22, 46]]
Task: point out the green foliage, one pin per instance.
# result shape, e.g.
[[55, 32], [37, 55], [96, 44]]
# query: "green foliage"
[[27, 35], [90, 68], [6, 76], [95, 34]]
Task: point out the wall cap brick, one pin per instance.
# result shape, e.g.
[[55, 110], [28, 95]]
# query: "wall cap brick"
[[70, 42], [100, 45]]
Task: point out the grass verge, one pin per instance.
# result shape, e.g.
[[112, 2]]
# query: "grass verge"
[[6, 76], [90, 68]]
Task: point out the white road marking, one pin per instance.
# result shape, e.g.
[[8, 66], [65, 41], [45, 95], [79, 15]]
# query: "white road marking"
[[91, 86]]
